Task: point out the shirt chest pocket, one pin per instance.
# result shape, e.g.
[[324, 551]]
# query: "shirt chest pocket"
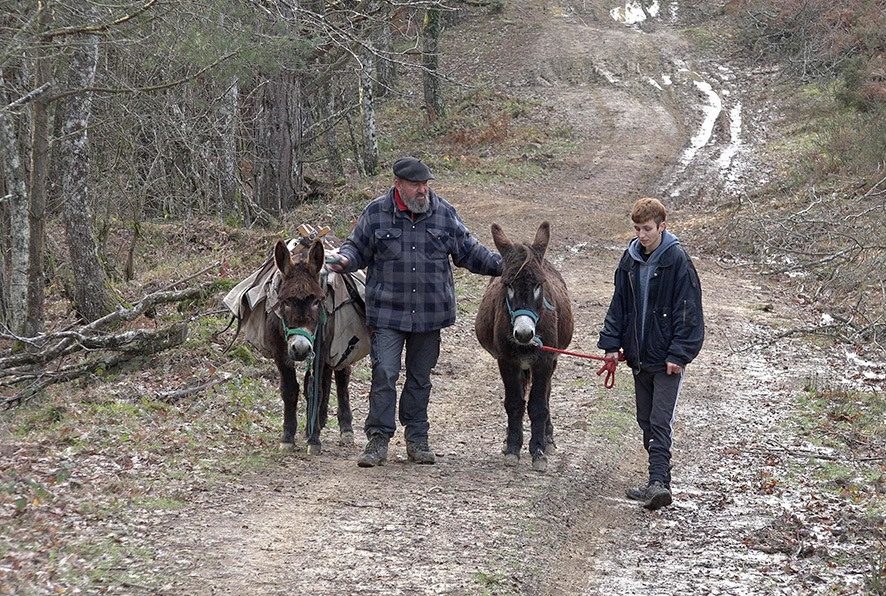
[[387, 244], [438, 244]]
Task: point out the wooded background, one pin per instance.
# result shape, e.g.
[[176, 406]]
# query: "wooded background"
[[114, 115]]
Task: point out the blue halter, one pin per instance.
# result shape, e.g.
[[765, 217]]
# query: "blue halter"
[[526, 312]]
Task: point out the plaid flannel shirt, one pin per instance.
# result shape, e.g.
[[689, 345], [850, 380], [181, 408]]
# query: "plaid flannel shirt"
[[409, 283]]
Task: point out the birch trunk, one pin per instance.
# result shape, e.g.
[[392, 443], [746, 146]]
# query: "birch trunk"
[[370, 134], [19, 226], [92, 298]]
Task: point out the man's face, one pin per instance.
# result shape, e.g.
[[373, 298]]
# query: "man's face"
[[413, 194], [649, 234]]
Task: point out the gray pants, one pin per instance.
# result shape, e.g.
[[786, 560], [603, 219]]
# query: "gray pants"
[[422, 352], [657, 394]]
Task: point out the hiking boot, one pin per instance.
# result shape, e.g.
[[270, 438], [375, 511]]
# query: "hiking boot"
[[637, 493], [657, 496], [375, 453], [420, 452]]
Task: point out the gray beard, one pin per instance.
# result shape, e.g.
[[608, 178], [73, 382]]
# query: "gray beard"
[[421, 206]]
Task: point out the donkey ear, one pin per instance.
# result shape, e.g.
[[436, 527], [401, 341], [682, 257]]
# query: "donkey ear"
[[501, 241], [542, 237], [315, 257], [283, 257]]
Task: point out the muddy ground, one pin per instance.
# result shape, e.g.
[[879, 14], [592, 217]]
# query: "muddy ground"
[[653, 116]]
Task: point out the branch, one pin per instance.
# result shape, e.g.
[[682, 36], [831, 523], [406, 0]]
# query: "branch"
[[30, 96], [149, 343], [91, 30], [150, 89], [64, 341]]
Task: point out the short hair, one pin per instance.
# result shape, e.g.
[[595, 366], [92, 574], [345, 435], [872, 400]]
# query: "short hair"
[[646, 209]]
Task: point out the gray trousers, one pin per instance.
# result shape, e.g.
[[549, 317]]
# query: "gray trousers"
[[422, 352], [657, 394]]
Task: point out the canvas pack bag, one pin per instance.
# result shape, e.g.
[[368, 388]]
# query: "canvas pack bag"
[[252, 299]]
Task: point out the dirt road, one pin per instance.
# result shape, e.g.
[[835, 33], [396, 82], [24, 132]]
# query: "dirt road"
[[652, 117]]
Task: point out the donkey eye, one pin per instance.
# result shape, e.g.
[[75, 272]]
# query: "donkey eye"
[[537, 291], [510, 290]]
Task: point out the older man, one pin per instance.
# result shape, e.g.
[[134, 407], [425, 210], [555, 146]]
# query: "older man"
[[404, 240]]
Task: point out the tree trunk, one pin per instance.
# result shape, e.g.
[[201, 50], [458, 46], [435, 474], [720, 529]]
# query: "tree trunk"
[[386, 68], [370, 135], [333, 151], [92, 298], [280, 180], [19, 226], [228, 174], [433, 86], [39, 169]]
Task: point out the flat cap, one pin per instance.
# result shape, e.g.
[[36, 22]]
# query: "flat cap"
[[410, 168]]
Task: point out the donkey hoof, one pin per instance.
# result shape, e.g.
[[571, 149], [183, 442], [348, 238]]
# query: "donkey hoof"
[[284, 446], [347, 437], [539, 462], [313, 449], [511, 459], [550, 449]]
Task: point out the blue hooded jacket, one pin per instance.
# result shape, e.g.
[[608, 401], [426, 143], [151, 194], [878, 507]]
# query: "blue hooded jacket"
[[655, 315]]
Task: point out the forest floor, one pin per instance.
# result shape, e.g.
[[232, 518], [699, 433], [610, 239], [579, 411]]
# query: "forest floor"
[[653, 116]]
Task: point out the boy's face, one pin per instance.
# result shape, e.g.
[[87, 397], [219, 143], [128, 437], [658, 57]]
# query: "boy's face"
[[649, 234]]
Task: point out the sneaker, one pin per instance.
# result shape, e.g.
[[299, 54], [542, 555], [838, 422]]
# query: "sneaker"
[[637, 493], [375, 453], [420, 452], [657, 496]]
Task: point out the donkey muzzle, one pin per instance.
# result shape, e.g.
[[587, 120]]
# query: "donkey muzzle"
[[524, 329]]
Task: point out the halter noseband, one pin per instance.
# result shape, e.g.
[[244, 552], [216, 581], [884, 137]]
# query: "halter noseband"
[[287, 332], [528, 313]]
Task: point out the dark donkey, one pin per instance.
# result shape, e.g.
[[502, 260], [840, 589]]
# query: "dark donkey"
[[294, 327], [528, 306]]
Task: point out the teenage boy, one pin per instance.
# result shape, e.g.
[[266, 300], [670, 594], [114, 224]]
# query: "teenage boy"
[[655, 318]]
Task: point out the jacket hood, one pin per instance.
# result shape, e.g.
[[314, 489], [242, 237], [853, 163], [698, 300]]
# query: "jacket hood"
[[635, 249]]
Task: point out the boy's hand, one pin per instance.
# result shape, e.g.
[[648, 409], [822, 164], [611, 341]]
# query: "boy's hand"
[[674, 369], [612, 355]]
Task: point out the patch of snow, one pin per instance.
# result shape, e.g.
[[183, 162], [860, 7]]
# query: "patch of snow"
[[711, 112], [605, 74], [632, 12], [666, 79], [655, 84]]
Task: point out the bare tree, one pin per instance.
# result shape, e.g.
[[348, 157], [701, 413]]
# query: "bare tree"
[[92, 297]]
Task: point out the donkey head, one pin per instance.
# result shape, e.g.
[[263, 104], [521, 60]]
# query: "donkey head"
[[300, 297], [523, 280]]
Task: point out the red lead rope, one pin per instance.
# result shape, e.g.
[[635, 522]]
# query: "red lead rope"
[[609, 364]]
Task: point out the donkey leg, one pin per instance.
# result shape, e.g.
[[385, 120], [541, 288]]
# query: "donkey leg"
[[345, 418], [289, 393], [539, 416], [515, 406]]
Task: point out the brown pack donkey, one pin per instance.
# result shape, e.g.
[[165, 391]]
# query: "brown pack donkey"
[[525, 308], [300, 333]]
